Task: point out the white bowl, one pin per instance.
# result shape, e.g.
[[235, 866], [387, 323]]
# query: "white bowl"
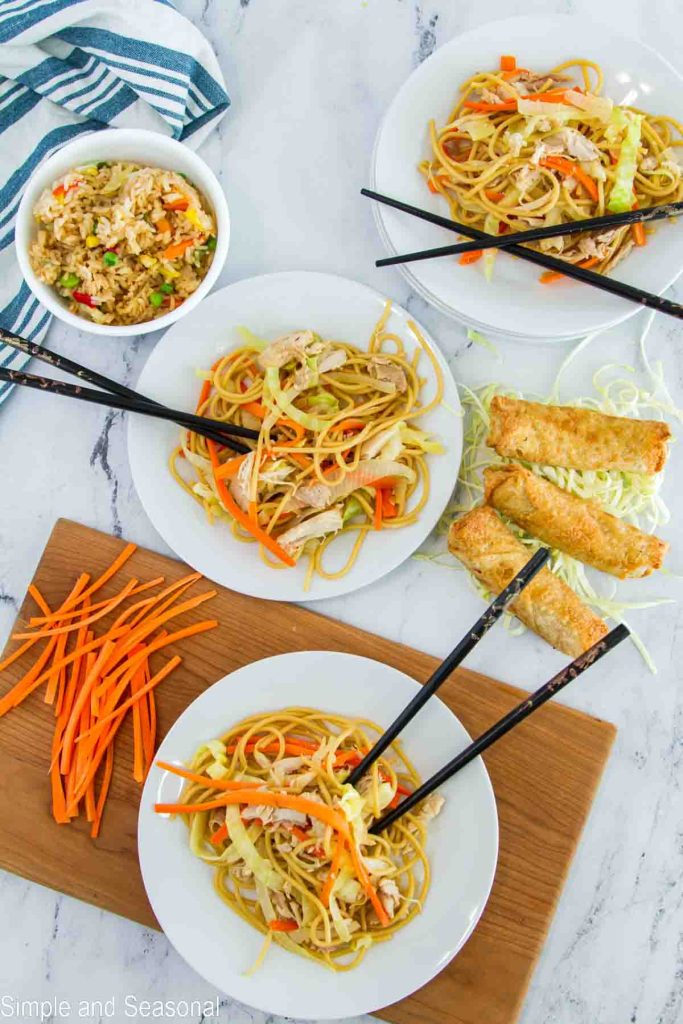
[[462, 843], [151, 150], [515, 303]]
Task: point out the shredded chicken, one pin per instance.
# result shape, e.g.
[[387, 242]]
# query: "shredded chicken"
[[525, 178], [315, 495], [515, 141], [292, 540], [649, 163], [297, 346], [571, 142], [333, 360], [384, 369], [389, 896], [239, 485], [597, 246], [431, 807]]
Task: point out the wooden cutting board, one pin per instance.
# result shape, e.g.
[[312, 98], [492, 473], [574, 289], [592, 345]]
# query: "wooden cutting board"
[[544, 774]]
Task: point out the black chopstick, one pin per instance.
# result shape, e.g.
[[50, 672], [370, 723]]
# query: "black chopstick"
[[455, 658], [605, 284], [214, 430], [188, 420], [611, 220], [505, 724]]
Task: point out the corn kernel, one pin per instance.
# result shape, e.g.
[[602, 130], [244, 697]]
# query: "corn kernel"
[[91, 241]]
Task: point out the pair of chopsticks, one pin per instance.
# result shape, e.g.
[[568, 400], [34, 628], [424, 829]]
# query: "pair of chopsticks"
[[509, 721], [117, 396], [513, 243]]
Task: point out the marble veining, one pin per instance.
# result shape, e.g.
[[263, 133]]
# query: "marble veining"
[[310, 80]]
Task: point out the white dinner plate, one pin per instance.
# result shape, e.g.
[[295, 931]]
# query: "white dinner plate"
[[462, 843], [515, 302], [270, 306]]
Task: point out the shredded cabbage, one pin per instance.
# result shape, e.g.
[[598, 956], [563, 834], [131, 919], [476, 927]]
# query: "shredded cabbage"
[[621, 195], [479, 339], [630, 496], [285, 402], [263, 871], [251, 339]]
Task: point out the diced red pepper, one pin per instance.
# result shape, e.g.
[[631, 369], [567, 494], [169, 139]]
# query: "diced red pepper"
[[84, 299]]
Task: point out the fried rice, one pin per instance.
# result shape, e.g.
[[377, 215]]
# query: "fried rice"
[[122, 244]]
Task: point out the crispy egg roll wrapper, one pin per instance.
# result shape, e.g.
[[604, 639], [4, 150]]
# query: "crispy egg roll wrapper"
[[574, 525], [490, 550], [560, 435]]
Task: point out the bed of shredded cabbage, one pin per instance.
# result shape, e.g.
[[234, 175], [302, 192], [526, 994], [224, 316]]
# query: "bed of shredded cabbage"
[[629, 496]]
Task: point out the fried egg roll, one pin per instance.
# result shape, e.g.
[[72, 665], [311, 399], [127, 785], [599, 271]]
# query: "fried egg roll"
[[560, 435], [490, 550], [574, 525]]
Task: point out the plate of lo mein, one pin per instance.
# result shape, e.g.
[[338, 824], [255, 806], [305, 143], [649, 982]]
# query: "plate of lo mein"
[[264, 874], [535, 122], [359, 437]]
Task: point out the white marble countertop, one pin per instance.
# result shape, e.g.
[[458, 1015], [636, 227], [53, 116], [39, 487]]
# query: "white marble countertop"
[[309, 80]]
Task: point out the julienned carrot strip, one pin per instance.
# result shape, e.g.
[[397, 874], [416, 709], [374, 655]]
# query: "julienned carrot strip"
[[118, 562], [29, 682], [261, 796], [136, 683], [508, 63], [11, 658], [491, 108], [53, 681], [556, 275], [81, 700], [639, 235], [348, 425], [46, 620], [281, 924], [39, 599], [205, 780], [229, 469], [364, 879], [121, 710], [388, 504], [470, 257], [94, 764], [104, 789], [571, 169], [242, 518], [152, 737], [494, 195], [337, 858], [377, 519], [176, 589], [114, 603]]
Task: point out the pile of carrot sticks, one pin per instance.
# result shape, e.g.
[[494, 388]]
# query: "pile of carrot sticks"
[[95, 675]]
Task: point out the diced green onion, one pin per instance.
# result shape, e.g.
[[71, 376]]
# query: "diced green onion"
[[156, 298], [102, 163], [211, 243], [166, 287], [110, 259], [69, 281]]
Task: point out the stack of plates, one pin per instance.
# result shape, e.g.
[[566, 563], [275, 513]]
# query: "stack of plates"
[[515, 303]]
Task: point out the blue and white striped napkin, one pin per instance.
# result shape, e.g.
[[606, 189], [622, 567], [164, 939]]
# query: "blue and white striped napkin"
[[69, 67]]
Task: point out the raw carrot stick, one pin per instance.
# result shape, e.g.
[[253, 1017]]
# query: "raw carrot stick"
[[11, 658], [53, 681], [94, 764], [118, 562], [121, 710], [152, 735], [114, 603], [39, 599], [104, 789], [639, 236], [30, 681], [46, 620], [333, 872], [176, 589], [138, 756], [80, 702]]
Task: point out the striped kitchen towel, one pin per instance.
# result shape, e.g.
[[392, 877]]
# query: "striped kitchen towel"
[[69, 67]]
